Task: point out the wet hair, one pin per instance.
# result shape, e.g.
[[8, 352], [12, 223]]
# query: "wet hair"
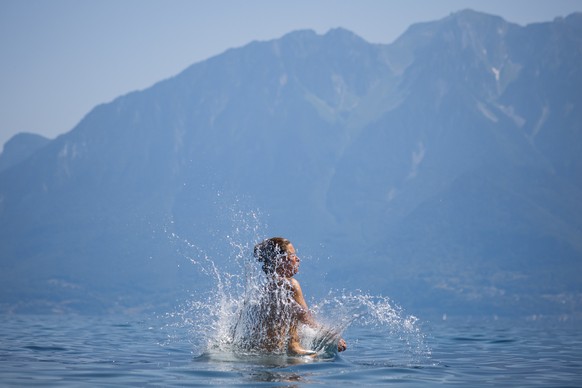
[[267, 252]]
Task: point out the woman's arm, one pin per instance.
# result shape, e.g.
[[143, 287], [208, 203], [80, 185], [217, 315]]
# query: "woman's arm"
[[304, 315]]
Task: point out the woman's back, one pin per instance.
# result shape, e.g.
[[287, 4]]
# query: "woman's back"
[[267, 319]]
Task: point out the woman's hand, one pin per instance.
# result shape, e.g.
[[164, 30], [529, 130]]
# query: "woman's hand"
[[341, 345]]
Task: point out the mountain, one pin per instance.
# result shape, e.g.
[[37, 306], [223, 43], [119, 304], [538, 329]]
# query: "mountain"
[[442, 170], [20, 147], [481, 157]]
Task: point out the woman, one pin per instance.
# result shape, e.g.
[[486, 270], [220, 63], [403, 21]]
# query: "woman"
[[283, 305]]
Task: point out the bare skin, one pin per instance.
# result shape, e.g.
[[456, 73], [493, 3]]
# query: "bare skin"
[[289, 268]]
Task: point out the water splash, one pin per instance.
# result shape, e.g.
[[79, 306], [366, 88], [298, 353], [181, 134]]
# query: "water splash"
[[225, 318], [346, 310]]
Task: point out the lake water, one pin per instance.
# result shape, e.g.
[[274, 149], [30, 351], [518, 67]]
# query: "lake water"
[[166, 351]]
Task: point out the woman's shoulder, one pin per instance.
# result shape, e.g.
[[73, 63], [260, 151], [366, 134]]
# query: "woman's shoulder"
[[294, 283], [290, 284], [284, 283]]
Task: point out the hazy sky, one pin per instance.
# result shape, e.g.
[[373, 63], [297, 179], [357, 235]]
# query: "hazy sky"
[[60, 58]]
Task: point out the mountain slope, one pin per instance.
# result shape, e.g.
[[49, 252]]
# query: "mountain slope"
[[460, 173]]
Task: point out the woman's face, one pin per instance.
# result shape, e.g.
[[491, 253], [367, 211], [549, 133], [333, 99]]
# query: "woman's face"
[[290, 264]]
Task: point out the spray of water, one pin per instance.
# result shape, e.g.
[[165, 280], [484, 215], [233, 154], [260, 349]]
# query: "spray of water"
[[229, 316]]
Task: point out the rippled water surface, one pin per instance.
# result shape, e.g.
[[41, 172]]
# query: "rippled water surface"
[[120, 351]]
